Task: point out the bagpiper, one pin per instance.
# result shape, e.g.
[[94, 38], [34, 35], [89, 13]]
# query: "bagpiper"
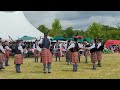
[[74, 48], [18, 57], [37, 50], [57, 50], [2, 53], [68, 53], [46, 54], [100, 48], [86, 50], [93, 51], [7, 53]]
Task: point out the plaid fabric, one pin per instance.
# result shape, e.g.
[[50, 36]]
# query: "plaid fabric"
[[93, 57], [46, 56], [7, 54], [68, 55], [58, 54], [36, 53], [74, 57], [86, 53], [18, 59], [1, 58], [99, 55]]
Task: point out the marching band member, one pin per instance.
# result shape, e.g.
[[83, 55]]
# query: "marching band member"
[[68, 53], [18, 57], [2, 52], [7, 53], [46, 54], [57, 50], [93, 50], [74, 48]]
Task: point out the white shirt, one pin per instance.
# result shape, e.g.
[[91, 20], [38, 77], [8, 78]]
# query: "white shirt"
[[20, 48], [41, 40], [99, 45], [2, 49], [6, 47], [72, 46], [93, 46], [37, 47]]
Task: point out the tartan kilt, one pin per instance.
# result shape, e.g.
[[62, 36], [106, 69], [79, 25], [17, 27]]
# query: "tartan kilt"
[[68, 55], [99, 55], [86, 53], [93, 57], [18, 59], [57, 54], [36, 53], [1, 58], [74, 56], [7, 54], [46, 56]]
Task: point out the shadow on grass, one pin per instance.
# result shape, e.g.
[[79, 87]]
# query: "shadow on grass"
[[66, 70]]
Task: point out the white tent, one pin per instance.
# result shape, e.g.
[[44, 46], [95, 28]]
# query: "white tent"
[[15, 25]]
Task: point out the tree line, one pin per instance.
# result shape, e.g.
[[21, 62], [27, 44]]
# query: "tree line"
[[95, 30]]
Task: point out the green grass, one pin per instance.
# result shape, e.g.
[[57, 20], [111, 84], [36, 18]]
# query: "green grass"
[[60, 70]]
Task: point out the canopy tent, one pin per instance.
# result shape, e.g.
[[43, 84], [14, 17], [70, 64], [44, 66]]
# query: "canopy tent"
[[27, 38], [112, 42], [59, 38], [80, 40], [15, 25], [88, 39]]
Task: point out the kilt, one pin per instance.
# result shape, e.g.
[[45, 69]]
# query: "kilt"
[[46, 55], [1, 58], [36, 53], [57, 53], [18, 59], [68, 55], [93, 57], [74, 56], [99, 55], [7, 54], [86, 53]]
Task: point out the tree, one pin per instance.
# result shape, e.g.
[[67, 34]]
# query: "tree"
[[43, 29], [69, 32], [56, 28], [95, 30]]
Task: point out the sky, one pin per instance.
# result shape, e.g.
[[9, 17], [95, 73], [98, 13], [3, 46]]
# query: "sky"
[[75, 19]]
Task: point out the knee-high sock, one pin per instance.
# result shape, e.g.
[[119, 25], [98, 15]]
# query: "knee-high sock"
[[44, 66], [73, 67], [94, 65], [86, 58], [76, 66], [0, 66], [49, 66]]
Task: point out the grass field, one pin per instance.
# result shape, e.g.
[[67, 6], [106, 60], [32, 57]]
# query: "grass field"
[[60, 70]]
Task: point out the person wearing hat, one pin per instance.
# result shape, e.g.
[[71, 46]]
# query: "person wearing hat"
[[18, 57], [7, 53], [46, 54], [2, 53], [74, 48]]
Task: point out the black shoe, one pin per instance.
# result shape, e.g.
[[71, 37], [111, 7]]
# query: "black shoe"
[[49, 72], [3, 68], [44, 72], [93, 68], [18, 71]]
